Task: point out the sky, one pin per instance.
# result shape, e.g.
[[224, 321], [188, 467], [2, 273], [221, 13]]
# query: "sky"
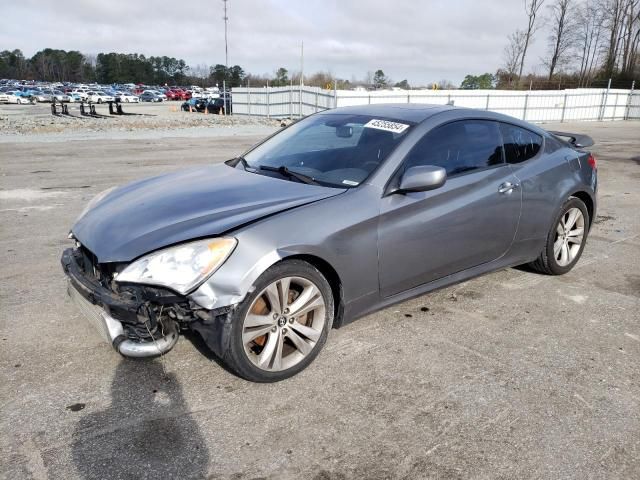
[[420, 40]]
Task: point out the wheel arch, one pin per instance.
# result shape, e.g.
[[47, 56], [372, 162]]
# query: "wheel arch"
[[586, 198], [332, 276]]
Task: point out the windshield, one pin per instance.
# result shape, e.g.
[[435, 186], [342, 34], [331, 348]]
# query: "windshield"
[[338, 150]]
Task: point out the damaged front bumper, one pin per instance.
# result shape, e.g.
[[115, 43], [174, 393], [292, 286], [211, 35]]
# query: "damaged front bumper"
[[139, 321]]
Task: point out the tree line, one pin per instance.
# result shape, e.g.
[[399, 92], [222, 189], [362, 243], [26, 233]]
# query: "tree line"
[[52, 65], [589, 40]]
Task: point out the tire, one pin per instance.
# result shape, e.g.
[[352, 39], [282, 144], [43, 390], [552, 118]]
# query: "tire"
[[99, 100], [275, 339], [558, 262]]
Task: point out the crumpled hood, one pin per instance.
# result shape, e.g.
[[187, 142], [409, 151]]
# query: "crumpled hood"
[[206, 201]]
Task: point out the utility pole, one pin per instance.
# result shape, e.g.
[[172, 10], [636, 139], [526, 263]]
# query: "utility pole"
[[301, 78], [226, 60]]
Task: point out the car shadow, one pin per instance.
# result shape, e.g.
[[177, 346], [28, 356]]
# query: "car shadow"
[[146, 432], [202, 348]]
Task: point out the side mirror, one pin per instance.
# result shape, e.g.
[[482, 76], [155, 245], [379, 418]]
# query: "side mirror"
[[422, 179]]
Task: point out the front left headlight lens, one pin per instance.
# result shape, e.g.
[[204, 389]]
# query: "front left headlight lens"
[[180, 268]]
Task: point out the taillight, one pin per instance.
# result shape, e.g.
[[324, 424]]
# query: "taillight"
[[592, 161]]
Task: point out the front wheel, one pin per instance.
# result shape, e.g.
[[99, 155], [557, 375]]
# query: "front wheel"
[[281, 326], [566, 240]]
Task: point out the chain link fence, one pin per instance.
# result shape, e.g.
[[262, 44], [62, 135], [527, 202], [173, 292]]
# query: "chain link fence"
[[538, 106]]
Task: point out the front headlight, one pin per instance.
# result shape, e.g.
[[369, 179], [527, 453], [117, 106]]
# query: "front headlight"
[[181, 268], [92, 203]]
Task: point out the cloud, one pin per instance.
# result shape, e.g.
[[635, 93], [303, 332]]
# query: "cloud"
[[422, 41]]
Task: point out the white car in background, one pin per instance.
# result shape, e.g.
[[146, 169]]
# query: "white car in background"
[[79, 93], [127, 97], [12, 97], [99, 97]]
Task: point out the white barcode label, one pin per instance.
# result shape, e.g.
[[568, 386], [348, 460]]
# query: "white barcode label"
[[387, 126]]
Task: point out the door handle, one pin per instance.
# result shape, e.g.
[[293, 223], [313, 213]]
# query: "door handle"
[[507, 187]]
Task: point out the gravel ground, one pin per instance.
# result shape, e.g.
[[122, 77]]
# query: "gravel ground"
[[37, 119], [513, 375]]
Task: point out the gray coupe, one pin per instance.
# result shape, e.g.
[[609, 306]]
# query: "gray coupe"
[[341, 214]]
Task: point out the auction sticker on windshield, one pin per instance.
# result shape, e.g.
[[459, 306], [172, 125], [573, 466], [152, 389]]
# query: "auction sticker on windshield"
[[386, 126]]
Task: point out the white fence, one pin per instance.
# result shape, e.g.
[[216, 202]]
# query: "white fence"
[[534, 106]]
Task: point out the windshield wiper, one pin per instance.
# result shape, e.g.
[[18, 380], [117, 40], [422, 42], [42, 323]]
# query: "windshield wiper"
[[285, 172]]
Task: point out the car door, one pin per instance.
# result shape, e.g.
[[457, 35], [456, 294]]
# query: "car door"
[[472, 219]]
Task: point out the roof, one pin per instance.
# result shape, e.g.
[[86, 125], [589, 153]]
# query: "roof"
[[408, 112]]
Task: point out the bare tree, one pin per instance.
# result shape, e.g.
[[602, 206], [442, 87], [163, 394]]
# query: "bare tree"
[[513, 53], [622, 24], [562, 36], [630, 38], [531, 8], [590, 19]]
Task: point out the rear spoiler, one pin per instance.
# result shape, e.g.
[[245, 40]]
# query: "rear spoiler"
[[575, 139]]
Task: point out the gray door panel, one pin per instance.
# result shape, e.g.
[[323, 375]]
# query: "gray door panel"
[[428, 235]]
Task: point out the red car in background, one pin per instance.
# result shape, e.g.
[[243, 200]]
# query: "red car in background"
[[171, 94]]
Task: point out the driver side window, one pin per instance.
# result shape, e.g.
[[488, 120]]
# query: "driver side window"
[[459, 147]]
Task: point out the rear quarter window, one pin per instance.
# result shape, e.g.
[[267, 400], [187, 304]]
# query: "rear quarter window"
[[520, 144]]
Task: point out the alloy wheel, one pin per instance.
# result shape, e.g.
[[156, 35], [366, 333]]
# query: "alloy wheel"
[[569, 237], [284, 323]]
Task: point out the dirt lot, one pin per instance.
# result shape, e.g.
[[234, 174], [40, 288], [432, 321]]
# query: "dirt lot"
[[37, 118], [512, 375]]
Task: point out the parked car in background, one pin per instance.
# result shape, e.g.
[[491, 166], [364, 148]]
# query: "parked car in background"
[[217, 105], [80, 93], [126, 97], [174, 94], [75, 97], [341, 214], [149, 96], [196, 104], [179, 94], [99, 97], [40, 96], [61, 97], [17, 97]]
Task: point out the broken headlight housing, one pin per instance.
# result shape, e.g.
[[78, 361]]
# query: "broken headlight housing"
[[180, 268]]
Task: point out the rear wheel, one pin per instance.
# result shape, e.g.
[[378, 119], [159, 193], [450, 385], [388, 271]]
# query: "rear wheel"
[[566, 240], [281, 326]]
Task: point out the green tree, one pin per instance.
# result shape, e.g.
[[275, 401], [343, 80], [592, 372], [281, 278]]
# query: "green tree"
[[282, 77], [404, 84], [379, 79], [237, 75], [483, 82]]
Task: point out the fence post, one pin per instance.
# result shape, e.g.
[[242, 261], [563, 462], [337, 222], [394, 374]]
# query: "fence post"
[[526, 103], [564, 107], [268, 103], [615, 107], [629, 100], [408, 98], [248, 100], [369, 99], [605, 98], [316, 101], [487, 106], [335, 94]]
